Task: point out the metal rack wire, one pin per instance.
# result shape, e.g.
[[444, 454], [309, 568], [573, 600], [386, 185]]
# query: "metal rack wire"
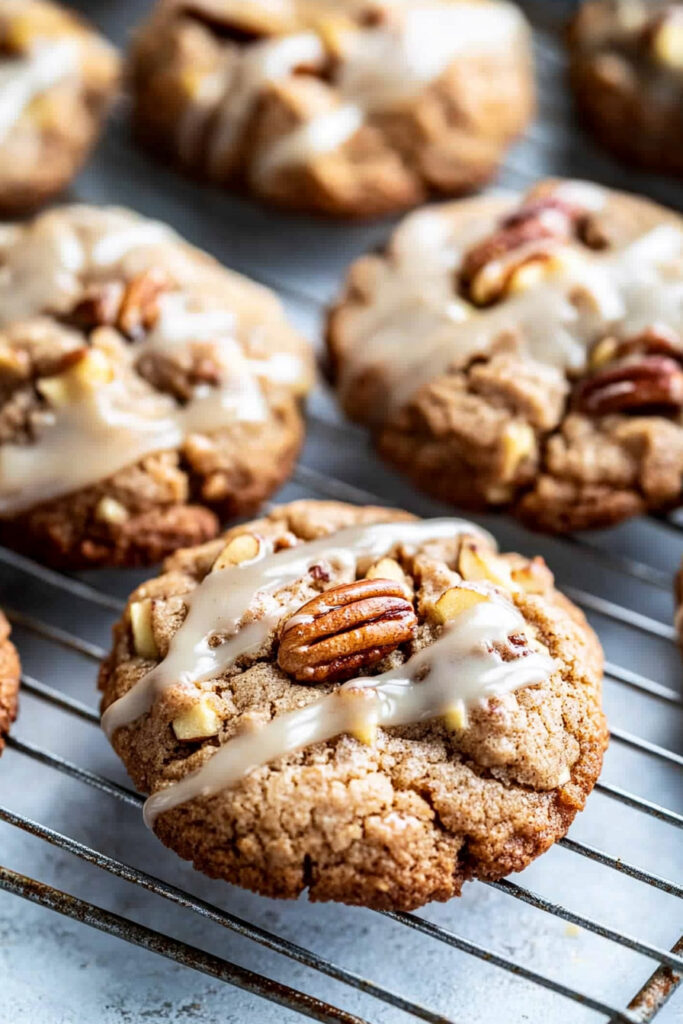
[[646, 1003], [318, 480]]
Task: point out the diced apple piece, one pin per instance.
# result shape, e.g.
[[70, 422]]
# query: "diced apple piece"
[[455, 718], [141, 626], [243, 548], [455, 601], [475, 564], [197, 723], [109, 510], [519, 441], [91, 371], [534, 578], [388, 569]]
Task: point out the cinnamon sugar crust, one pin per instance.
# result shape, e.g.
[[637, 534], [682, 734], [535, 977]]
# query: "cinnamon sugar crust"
[[393, 824]]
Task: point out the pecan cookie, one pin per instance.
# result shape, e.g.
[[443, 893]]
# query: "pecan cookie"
[[351, 109], [355, 702], [57, 78], [144, 389], [9, 680], [626, 60], [524, 353]]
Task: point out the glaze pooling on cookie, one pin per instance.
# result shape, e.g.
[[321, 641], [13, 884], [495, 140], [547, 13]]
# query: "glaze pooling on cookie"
[[387, 66], [458, 671], [255, 95], [219, 603], [468, 344], [113, 421], [556, 321]]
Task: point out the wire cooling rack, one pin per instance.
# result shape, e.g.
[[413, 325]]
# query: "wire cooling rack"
[[596, 921]]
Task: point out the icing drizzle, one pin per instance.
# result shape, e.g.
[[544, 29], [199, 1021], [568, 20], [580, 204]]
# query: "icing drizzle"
[[554, 322], [124, 419], [380, 68], [244, 603]]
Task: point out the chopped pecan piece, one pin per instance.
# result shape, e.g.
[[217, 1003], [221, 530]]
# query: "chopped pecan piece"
[[139, 308], [652, 383], [98, 307], [346, 629], [133, 308]]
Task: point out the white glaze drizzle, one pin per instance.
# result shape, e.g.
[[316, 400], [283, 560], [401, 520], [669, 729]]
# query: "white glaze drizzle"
[[379, 68], [413, 296], [121, 421], [24, 78], [221, 600], [460, 669], [261, 63]]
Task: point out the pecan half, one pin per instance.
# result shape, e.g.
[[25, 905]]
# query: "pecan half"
[[533, 231], [345, 629], [652, 383]]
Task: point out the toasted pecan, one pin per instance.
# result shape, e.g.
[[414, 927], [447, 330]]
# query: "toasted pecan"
[[346, 629]]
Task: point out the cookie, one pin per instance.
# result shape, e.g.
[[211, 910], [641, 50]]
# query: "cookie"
[[373, 708], [10, 672], [57, 79], [524, 353], [348, 109], [145, 390], [626, 62]]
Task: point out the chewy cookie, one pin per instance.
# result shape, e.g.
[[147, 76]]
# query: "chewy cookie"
[[144, 389], [351, 109], [57, 78], [10, 672], [374, 708], [524, 353], [626, 61]]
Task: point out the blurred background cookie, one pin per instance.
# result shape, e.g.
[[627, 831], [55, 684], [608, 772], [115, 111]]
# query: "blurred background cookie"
[[350, 109], [57, 78], [626, 59], [383, 708], [144, 389], [525, 353]]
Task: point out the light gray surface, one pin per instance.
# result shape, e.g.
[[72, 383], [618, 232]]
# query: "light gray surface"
[[55, 971]]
